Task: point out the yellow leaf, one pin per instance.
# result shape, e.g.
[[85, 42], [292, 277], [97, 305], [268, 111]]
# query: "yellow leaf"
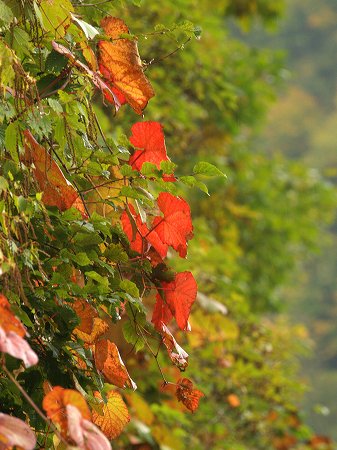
[[115, 415]]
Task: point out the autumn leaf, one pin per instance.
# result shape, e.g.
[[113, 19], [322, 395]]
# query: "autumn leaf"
[[12, 335], [83, 432], [57, 191], [114, 417], [120, 64], [55, 402], [149, 142], [139, 235], [186, 394], [177, 354], [15, 433], [91, 326], [109, 362], [174, 228], [233, 400], [175, 299]]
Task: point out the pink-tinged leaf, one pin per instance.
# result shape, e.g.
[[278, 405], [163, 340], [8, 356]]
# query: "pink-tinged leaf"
[[149, 141], [15, 345], [177, 354], [15, 433], [84, 433], [139, 235], [175, 227], [177, 298]]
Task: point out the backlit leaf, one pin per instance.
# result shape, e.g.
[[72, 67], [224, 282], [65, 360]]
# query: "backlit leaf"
[[187, 394], [109, 362], [121, 66], [114, 417]]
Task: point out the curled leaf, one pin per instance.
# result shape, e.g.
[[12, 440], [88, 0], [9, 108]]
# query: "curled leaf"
[[12, 335], [114, 417], [109, 362], [177, 354], [15, 433], [120, 64], [91, 326], [187, 394], [83, 432]]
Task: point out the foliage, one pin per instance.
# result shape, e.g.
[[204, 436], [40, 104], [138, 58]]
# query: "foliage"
[[93, 212]]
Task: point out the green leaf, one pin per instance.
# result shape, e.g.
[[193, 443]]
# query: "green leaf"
[[149, 169], [6, 14], [168, 167], [89, 31], [202, 187], [126, 170], [131, 336], [81, 259], [189, 180], [207, 169], [56, 16], [130, 288], [11, 140]]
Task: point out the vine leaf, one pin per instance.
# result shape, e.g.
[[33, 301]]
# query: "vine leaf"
[[109, 362], [186, 394], [56, 401], [84, 433], [57, 190], [177, 354], [149, 140], [139, 235], [91, 326], [12, 335], [121, 66], [175, 299], [115, 414], [15, 433], [175, 226]]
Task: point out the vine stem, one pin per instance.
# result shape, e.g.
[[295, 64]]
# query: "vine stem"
[[34, 405]]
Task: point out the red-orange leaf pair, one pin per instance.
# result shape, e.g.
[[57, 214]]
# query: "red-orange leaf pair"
[[12, 335], [57, 191], [149, 140], [187, 394], [68, 409], [120, 64], [109, 362], [139, 235], [175, 299]]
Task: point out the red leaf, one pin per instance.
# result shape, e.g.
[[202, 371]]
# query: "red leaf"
[[175, 228], [187, 394], [149, 141], [57, 191], [175, 298], [139, 235], [121, 65]]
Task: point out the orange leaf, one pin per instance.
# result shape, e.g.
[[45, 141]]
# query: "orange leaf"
[[91, 326], [115, 414], [57, 191], [109, 362], [187, 394], [7, 319], [55, 402], [120, 64]]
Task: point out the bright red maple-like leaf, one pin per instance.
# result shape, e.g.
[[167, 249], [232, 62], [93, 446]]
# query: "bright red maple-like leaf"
[[175, 299], [149, 140], [175, 227], [139, 235]]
